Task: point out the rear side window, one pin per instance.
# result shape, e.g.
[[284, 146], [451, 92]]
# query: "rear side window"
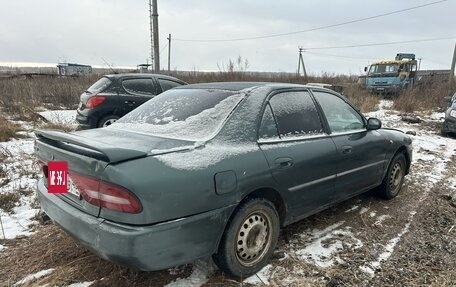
[[168, 84], [296, 114], [139, 86], [340, 115], [268, 127], [100, 85]]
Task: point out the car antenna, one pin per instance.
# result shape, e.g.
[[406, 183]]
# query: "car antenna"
[[110, 66]]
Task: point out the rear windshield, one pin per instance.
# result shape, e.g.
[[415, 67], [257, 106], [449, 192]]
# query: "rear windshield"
[[99, 85], [187, 114]]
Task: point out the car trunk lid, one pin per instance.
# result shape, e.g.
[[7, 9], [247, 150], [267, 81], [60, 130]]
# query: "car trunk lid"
[[89, 152]]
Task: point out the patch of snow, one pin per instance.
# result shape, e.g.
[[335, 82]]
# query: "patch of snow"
[[261, 277], [34, 276], [82, 284], [353, 208], [2, 247], [61, 117], [202, 269], [363, 210], [324, 245], [21, 176], [373, 214], [388, 249], [438, 116], [381, 218]]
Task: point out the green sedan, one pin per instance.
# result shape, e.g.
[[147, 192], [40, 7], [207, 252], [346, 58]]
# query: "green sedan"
[[216, 170]]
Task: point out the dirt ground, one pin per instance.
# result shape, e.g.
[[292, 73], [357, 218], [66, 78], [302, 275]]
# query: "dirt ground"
[[365, 241]]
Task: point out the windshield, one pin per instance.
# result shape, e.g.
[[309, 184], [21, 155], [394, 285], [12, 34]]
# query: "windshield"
[[99, 85], [188, 114], [384, 69]]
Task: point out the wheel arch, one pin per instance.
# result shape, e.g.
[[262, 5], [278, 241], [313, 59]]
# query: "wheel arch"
[[408, 161], [273, 196]]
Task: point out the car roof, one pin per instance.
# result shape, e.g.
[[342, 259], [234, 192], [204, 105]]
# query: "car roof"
[[238, 86], [136, 75]]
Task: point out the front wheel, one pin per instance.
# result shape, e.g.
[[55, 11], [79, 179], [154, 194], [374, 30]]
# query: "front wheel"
[[394, 178], [249, 239]]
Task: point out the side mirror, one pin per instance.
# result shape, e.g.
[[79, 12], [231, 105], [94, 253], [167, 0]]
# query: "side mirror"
[[374, 124], [365, 69]]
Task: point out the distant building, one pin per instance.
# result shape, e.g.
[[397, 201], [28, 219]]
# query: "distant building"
[[69, 69], [144, 68]]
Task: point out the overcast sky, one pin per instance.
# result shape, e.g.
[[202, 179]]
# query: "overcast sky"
[[87, 31]]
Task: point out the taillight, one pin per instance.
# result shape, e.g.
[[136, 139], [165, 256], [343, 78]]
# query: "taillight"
[[94, 101], [43, 167], [104, 194]]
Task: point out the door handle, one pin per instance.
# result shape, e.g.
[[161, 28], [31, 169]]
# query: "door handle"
[[346, 149], [283, 162]]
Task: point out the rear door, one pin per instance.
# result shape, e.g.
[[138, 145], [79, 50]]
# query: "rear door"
[[301, 156], [360, 152], [138, 91]]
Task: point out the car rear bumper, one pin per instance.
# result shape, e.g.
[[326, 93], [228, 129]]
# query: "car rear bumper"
[[85, 122], [151, 247]]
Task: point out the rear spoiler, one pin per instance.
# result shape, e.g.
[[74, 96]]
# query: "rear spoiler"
[[86, 146]]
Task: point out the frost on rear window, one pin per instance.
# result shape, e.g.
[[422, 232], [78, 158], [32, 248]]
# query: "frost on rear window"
[[188, 114]]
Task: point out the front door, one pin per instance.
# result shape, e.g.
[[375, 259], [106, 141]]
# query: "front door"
[[360, 152]]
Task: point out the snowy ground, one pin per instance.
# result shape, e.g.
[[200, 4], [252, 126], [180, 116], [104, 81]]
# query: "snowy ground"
[[358, 240]]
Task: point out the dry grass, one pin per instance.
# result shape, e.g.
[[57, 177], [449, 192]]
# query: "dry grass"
[[424, 97], [9, 200], [361, 98], [8, 130], [19, 96]]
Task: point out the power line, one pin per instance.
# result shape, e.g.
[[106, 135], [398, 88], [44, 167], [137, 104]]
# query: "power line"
[[312, 29], [338, 56], [381, 43], [164, 46]]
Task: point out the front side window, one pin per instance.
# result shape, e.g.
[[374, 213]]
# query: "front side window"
[[340, 115], [295, 114], [139, 86]]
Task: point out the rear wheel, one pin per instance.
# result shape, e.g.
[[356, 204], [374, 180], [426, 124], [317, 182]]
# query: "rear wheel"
[[394, 178], [107, 121], [249, 239]]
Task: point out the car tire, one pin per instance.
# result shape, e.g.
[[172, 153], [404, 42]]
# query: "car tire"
[[392, 183], [107, 121], [249, 239]]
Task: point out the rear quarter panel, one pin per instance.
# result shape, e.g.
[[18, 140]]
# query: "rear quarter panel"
[[180, 184]]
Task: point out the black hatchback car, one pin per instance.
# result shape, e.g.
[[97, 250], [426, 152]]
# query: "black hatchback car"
[[113, 96]]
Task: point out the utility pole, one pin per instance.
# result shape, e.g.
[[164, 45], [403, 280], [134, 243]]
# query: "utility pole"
[[453, 64], [301, 62], [154, 36], [151, 33], [169, 53]]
